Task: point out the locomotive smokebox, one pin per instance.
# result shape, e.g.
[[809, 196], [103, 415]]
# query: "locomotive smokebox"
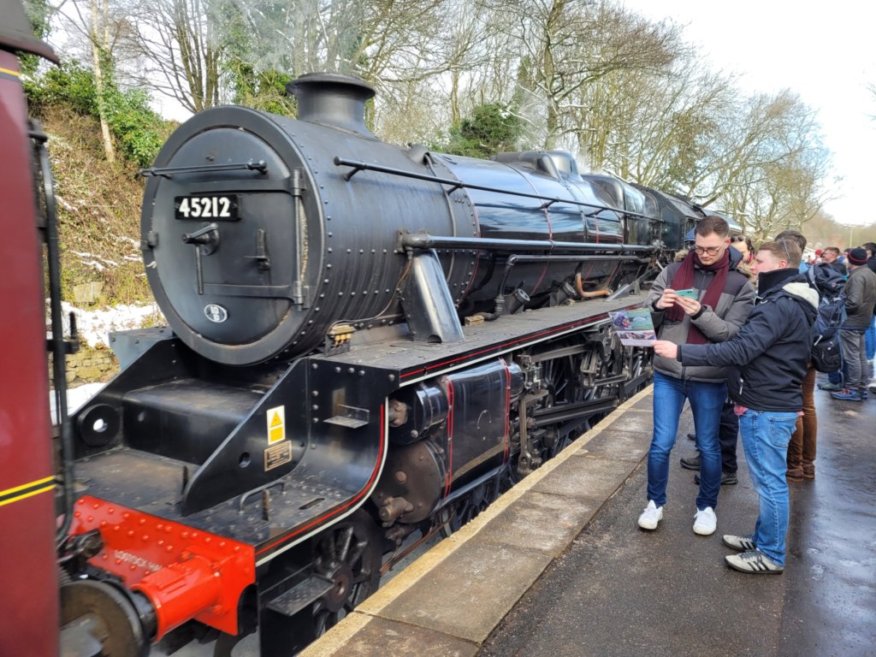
[[255, 241], [332, 99]]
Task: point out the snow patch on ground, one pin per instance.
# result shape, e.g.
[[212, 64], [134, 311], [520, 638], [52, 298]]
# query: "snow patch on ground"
[[76, 397], [95, 261], [95, 325]]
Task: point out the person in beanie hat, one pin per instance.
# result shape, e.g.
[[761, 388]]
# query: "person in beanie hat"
[[860, 292]]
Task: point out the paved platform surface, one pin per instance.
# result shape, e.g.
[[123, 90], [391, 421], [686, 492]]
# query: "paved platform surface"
[[557, 567]]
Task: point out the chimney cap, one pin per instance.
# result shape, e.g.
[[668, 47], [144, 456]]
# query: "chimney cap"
[[349, 82]]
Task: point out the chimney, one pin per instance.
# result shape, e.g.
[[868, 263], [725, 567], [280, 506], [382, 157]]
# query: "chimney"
[[332, 99]]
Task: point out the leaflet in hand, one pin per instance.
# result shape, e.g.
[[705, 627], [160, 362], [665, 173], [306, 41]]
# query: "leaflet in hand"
[[690, 293], [634, 327]]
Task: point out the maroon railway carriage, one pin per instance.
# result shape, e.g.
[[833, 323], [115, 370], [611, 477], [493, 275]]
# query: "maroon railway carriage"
[[28, 574]]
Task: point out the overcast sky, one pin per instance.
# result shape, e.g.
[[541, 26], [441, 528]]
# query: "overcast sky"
[[825, 52]]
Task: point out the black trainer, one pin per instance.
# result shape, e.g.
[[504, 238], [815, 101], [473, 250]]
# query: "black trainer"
[[693, 463], [727, 479]]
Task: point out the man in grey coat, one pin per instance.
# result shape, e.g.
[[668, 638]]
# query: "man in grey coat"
[[860, 293], [700, 300]]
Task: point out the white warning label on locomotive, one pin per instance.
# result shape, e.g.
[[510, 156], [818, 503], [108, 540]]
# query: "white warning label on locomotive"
[[278, 455], [276, 425]]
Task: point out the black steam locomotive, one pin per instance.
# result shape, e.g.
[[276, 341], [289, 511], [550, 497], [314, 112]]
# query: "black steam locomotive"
[[368, 343]]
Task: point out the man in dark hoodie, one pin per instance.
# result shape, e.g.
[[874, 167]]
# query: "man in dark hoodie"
[[771, 352], [698, 300]]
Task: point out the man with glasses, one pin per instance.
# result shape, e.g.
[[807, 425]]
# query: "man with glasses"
[[772, 354], [700, 300]]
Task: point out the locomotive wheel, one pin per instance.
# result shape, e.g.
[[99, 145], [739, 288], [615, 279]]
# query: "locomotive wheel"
[[468, 507], [562, 380], [349, 554], [639, 361]]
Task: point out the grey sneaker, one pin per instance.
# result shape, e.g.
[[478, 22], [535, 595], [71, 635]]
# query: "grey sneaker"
[[738, 543], [754, 562], [830, 386]]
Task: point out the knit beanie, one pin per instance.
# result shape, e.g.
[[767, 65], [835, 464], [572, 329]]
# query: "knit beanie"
[[857, 257]]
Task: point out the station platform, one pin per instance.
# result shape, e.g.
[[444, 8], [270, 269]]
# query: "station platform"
[[558, 567]]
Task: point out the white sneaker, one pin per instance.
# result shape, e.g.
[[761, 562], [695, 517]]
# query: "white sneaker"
[[651, 516], [705, 522]]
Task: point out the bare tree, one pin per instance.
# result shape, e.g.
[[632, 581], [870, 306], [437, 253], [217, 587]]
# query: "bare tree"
[[95, 30], [177, 50], [565, 45], [99, 36]]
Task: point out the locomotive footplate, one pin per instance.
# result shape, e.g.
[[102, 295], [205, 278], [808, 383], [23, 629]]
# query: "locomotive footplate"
[[279, 466]]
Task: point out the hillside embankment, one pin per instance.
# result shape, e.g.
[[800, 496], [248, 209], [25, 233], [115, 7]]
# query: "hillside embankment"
[[98, 202]]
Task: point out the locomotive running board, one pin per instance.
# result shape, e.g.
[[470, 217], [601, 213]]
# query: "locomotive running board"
[[412, 362]]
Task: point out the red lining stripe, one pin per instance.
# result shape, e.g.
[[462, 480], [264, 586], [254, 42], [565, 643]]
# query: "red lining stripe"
[[507, 437], [338, 509], [550, 228], [448, 477]]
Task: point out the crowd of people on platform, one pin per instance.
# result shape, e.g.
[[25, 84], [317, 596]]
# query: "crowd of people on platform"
[[740, 355]]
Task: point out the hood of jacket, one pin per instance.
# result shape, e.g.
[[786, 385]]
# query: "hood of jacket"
[[790, 282], [802, 290]]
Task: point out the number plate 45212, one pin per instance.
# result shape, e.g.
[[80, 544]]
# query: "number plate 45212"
[[214, 206]]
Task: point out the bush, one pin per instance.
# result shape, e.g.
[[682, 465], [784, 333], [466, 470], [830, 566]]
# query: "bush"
[[138, 131], [492, 128], [70, 85]]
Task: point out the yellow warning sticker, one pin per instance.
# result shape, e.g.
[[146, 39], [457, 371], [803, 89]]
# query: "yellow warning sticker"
[[276, 424]]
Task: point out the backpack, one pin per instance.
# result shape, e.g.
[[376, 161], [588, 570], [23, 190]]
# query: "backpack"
[[825, 352]]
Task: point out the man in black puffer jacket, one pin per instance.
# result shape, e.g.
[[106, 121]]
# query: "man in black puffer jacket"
[[771, 352]]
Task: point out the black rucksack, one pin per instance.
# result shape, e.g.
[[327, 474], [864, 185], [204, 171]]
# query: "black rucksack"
[[825, 353]]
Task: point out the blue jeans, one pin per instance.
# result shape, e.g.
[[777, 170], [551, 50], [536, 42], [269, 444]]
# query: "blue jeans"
[[706, 400], [765, 438], [870, 339]]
